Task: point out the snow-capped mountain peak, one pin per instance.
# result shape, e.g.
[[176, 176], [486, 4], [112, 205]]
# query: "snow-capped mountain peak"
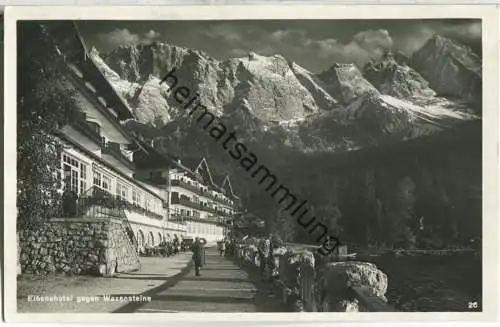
[[271, 98]]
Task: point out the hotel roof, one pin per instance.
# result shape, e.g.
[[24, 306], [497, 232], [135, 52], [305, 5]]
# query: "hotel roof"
[[71, 44]]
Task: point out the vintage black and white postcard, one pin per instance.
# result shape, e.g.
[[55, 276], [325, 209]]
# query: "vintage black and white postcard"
[[234, 163]]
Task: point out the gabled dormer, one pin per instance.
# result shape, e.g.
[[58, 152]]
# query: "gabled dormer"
[[227, 187], [203, 171]]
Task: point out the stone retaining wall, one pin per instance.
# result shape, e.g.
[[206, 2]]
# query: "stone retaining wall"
[[305, 284], [95, 246]]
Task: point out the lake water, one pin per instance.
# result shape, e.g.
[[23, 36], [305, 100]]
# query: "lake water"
[[433, 282]]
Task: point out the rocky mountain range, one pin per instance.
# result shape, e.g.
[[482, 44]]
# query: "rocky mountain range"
[[273, 100], [300, 123]]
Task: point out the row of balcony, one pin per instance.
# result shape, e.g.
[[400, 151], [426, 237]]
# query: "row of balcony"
[[199, 206], [101, 197], [183, 219], [199, 191], [97, 198]]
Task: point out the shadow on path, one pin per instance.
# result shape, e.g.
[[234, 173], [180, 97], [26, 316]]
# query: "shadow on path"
[[171, 281], [222, 287], [211, 279]]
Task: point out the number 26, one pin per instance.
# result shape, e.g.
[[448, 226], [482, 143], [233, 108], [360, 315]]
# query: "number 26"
[[472, 305]]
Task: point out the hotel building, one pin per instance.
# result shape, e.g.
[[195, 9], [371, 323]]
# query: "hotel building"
[[101, 161], [197, 200]]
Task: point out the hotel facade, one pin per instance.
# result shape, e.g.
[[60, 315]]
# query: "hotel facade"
[[160, 197], [204, 203]]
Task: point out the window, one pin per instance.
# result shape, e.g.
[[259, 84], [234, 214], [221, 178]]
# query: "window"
[[71, 161], [124, 194], [97, 178], [135, 199], [158, 206], [148, 203], [74, 181], [106, 182], [83, 177], [74, 174], [121, 191], [118, 189]]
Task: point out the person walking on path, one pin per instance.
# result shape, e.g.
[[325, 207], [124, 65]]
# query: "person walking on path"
[[222, 247], [197, 249], [227, 247]]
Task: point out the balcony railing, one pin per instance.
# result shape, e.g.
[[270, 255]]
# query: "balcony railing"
[[178, 219], [224, 214], [100, 203], [114, 150], [217, 199], [194, 205], [199, 191], [183, 219], [187, 186], [188, 203]]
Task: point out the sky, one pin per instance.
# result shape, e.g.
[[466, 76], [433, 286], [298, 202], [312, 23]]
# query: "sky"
[[313, 44]]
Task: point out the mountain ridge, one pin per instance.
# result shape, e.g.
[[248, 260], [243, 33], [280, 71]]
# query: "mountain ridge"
[[280, 100]]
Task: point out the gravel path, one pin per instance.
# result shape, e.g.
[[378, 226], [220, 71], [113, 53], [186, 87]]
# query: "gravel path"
[[221, 287], [89, 294]]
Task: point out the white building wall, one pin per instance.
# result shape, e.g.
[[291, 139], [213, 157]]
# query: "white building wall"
[[82, 140], [136, 219], [210, 232], [118, 165], [175, 227]]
